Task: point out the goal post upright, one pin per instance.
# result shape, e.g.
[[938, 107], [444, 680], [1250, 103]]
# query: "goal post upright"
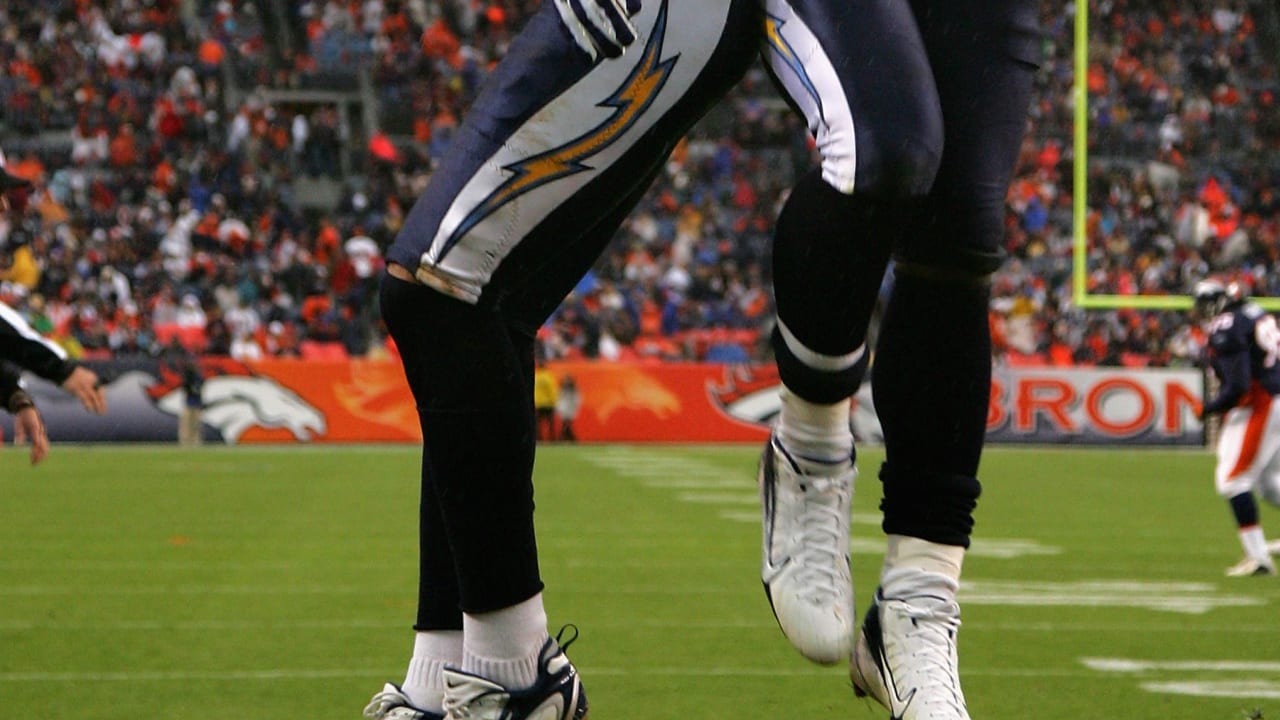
[[1080, 157], [1080, 200]]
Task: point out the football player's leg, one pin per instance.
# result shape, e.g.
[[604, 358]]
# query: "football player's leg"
[[932, 373], [1268, 484], [553, 144], [471, 410], [551, 147], [1269, 489], [1240, 470], [878, 128], [438, 626], [879, 132]]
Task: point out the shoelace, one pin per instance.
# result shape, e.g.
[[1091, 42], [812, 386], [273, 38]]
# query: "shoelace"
[[931, 666], [821, 557]]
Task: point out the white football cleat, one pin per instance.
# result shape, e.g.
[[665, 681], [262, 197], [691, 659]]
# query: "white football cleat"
[[1273, 547], [805, 570], [905, 658], [1251, 566], [556, 694]]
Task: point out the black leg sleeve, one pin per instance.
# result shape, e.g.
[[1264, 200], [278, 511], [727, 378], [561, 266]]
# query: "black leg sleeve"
[[474, 401], [932, 383]]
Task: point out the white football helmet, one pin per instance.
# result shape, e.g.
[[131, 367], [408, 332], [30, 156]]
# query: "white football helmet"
[[1214, 296]]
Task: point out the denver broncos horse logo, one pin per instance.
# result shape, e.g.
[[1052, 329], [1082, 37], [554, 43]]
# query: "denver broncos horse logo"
[[752, 393], [235, 400]]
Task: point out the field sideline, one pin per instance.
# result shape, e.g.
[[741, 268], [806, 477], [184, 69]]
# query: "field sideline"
[[246, 583]]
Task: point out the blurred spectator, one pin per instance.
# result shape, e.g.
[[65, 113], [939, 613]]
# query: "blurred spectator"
[[166, 188], [186, 367], [568, 403], [546, 391]]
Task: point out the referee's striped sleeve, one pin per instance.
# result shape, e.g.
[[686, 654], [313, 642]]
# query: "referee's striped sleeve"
[[21, 345]]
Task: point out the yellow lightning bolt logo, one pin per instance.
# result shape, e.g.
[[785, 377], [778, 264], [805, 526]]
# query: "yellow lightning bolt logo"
[[782, 48], [629, 102]]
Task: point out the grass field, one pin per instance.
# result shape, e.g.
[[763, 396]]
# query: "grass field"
[[244, 583]]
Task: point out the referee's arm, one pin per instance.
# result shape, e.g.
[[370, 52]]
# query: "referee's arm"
[[21, 345]]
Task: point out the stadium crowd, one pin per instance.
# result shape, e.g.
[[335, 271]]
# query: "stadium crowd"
[[167, 205]]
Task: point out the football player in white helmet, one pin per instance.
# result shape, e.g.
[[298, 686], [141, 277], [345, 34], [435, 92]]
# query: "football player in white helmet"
[[1242, 350]]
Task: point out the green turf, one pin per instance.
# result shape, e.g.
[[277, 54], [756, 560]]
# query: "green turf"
[[280, 583]]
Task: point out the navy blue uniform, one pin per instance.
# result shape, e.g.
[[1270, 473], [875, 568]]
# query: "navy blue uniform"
[[1244, 343], [553, 154], [918, 109], [970, 65], [1242, 351]]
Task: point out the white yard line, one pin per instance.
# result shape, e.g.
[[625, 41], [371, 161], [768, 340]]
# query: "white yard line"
[[592, 671]]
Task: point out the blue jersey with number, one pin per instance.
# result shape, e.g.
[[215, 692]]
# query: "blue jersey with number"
[[1244, 343]]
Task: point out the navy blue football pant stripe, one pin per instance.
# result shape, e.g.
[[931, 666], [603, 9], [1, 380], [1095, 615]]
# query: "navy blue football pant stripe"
[[474, 392]]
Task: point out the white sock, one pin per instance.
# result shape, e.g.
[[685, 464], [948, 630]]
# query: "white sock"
[[815, 435], [1255, 543], [503, 645], [918, 567], [432, 651]]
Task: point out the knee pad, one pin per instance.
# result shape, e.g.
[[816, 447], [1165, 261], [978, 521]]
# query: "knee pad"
[[1233, 486], [1269, 489]]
